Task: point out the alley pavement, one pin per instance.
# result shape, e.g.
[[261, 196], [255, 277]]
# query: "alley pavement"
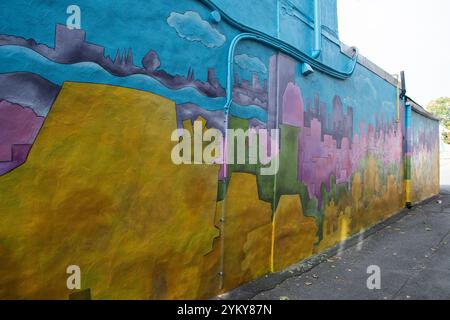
[[445, 175], [412, 253]]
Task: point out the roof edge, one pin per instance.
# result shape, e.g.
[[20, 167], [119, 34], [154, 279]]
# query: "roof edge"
[[421, 110], [371, 66]]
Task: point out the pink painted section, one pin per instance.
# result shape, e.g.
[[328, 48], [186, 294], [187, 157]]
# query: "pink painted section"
[[319, 154], [19, 127], [293, 106]]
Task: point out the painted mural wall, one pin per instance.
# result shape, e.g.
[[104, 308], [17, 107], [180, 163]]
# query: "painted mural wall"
[[424, 157], [86, 175]]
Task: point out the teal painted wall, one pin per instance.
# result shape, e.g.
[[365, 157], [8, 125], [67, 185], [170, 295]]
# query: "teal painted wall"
[[424, 157], [342, 144]]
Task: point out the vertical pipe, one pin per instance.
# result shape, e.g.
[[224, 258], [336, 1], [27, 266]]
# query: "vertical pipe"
[[402, 77], [272, 246], [275, 182], [408, 156], [278, 19], [317, 30], [230, 80]]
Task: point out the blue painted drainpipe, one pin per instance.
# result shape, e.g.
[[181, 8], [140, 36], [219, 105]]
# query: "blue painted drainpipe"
[[317, 30], [408, 157]]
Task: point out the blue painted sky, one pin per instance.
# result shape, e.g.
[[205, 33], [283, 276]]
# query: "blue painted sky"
[[366, 93], [122, 24], [179, 32]]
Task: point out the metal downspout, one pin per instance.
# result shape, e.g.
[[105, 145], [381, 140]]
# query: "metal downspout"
[[408, 156], [317, 30]]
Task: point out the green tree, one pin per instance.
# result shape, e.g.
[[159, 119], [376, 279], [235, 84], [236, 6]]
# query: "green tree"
[[441, 108], [446, 137]]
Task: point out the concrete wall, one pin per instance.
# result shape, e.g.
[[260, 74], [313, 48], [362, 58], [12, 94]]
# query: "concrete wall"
[[424, 157], [86, 176], [279, 17]]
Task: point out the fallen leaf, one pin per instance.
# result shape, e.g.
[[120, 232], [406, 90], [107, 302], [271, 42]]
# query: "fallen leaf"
[[284, 298], [308, 284]]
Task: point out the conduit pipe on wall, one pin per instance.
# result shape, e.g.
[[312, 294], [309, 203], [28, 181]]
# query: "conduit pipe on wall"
[[277, 44], [229, 91], [317, 30], [285, 47], [408, 140], [230, 73]]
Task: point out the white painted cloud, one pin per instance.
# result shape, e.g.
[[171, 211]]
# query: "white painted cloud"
[[251, 64], [192, 27]]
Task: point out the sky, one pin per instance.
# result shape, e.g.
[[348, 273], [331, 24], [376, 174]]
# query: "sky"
[[409, 35]]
